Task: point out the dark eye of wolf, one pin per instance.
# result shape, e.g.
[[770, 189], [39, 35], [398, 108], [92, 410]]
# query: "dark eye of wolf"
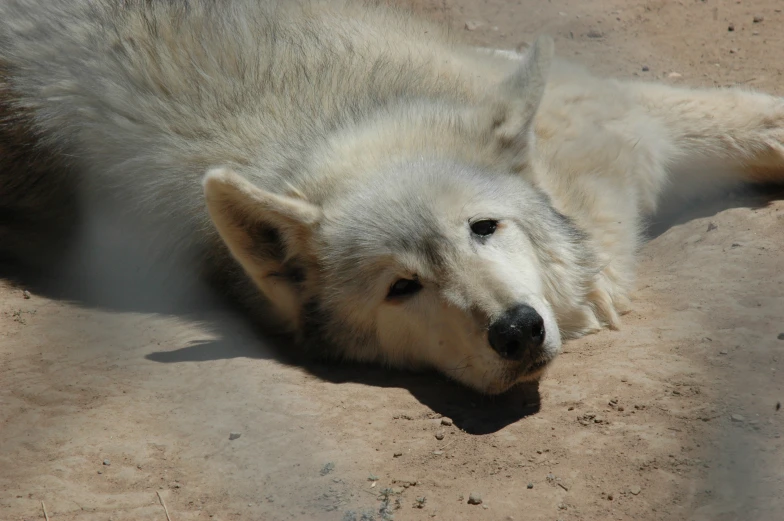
[[404, 288], [484, 228]]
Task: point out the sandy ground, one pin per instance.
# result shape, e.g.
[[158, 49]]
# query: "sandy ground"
[[104, 406]]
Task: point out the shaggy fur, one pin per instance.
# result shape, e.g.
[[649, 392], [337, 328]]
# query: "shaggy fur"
[[309, 155]]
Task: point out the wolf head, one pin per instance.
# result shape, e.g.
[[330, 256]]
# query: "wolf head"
[[429, 258]]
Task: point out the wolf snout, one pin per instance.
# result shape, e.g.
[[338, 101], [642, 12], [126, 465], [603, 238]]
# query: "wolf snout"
[[519, 332]]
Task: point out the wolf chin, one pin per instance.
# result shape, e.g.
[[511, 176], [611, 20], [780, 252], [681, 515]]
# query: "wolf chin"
[[357, 177]]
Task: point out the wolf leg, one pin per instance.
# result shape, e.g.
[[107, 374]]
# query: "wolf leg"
[[716, 136]]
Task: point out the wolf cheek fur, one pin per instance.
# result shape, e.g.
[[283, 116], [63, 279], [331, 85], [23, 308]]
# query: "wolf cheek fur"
[[348, 147]]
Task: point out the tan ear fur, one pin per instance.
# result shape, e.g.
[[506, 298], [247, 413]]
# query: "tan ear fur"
[[237, 208], [263, 231], [516, 100]]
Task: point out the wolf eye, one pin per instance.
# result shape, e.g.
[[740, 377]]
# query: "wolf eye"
[[404, 288], [484, 228]]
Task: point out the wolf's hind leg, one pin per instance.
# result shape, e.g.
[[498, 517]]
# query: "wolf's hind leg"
[[717, 135]]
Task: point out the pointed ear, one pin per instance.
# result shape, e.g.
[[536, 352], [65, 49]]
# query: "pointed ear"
[[516, 100], [263, 231]]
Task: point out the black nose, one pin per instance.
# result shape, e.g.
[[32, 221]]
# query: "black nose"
[[518, 331]]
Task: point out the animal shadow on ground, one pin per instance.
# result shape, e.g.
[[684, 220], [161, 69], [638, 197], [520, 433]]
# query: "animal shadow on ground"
[[470, 411], [229, 335], [233, 337]]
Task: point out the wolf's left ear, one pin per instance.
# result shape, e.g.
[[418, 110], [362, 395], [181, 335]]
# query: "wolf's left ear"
[[516, 100], [262, 230]]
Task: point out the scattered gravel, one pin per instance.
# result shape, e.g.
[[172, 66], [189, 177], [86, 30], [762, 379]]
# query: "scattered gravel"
[[474, 499]]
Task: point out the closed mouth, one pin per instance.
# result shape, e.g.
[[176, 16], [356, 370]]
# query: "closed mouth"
[[539, 364], [536, 367], [522, 374]]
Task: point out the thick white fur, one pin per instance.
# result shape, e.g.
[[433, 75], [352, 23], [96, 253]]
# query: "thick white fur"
[[346, 146]]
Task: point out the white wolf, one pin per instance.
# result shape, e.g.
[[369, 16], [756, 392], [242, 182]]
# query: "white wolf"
[[390, 194]]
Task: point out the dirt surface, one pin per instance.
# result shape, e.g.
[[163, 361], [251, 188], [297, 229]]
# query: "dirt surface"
[[103, 407]]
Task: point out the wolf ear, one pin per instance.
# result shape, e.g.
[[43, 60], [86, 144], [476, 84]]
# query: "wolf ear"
[[516, 100], [263, 231]]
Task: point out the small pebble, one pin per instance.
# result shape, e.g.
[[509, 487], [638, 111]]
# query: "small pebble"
[[593, 33], [440, 435], [472, 26], [397, 454], [781, 336], [758, 19], [234, 435], [634, 489], [674, 75], [530, 486], [438, 452], [474, 499], [26, 295], [737, 418], [645, 68], [610, 497], [446, 421], [107, 462], [731, 27]]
